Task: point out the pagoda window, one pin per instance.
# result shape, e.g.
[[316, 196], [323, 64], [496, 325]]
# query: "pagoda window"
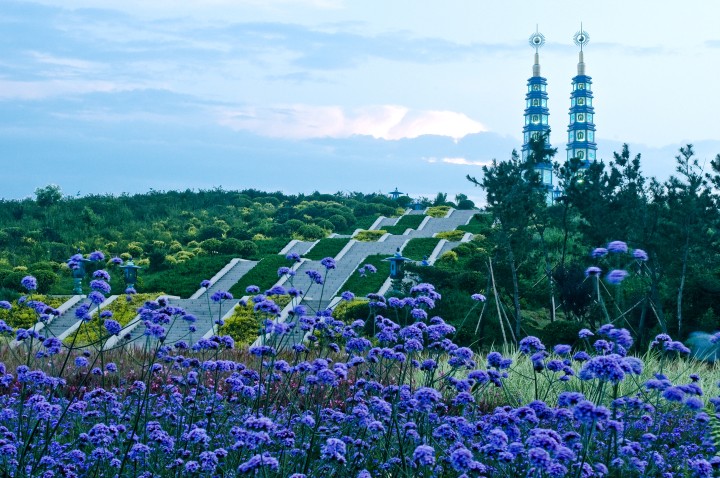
[[581, 135], [536, 102], [536, 87], [535, 119], [591, 135], [581, 117], [581, 86], [547, 176], [543, 102], [536, 136], [589, 117], [580, 154], [581, 101], [544, 119]]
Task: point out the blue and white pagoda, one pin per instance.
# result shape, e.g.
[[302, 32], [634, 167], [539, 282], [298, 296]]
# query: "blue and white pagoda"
[[537, 114], [581, 130]]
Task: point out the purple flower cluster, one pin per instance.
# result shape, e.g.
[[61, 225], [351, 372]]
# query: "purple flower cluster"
[[407, 401]]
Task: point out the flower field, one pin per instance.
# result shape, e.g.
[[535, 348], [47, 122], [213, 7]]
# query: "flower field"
[[404, 401]]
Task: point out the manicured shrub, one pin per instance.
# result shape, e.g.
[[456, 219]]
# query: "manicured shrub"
[[123, 311], [244, 324], [438, 211], [24, 315], [369, 236], [241, 249], [452, 236], [311, 232]]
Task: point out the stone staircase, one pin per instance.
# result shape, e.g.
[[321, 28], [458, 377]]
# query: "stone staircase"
[[318, 297], [226, 277], [300, 247], [63, 322], [206, 312], [231, 277]]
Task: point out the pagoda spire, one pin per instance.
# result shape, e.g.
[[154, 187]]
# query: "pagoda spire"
[[581, 130], [537, 127]]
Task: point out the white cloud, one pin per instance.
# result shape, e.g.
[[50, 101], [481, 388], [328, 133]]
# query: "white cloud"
[[35, 90], [73, 63], [465, 162], [389, 122]]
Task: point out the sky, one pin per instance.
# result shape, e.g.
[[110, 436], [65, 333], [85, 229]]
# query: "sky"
[[112, 96]]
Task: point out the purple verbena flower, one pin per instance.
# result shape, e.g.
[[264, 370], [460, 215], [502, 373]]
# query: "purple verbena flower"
[[598, 252], [616, 276], [424, 455], [96, 256], [640, 255], [29, 282], [315, 276], [293, 256], [221, 295], [617, 247]]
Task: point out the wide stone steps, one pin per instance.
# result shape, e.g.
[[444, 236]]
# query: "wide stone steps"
[[231, 277], [317, 297], [205, 314], [301, 247], [63, 322]]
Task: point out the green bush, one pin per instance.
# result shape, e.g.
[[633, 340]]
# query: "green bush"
[[340, 223], [438, 211], [123, 311], [311, 232], [12, 280], [465, 204], [328, 247], [420, 247], [211, 246], [242, 249], [447, 258], [244, 325], [369, 236], [45, 280], [22, 316], [348, 311], [452, 236]]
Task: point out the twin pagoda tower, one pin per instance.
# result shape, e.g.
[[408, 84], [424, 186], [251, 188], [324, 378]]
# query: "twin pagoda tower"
[[581, 128]]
